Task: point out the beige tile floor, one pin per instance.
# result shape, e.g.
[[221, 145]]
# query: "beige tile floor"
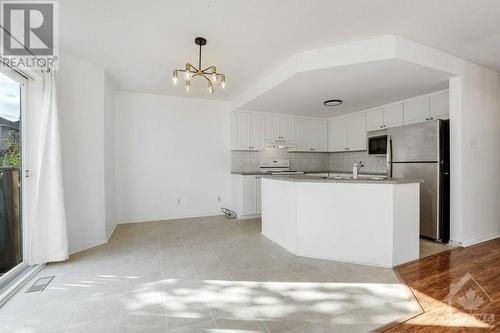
[[205, 275]]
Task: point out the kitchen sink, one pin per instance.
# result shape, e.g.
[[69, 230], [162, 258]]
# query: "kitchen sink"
[[360, 177]]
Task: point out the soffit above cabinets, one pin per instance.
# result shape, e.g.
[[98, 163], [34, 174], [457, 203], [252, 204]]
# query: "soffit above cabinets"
[[360, 86]]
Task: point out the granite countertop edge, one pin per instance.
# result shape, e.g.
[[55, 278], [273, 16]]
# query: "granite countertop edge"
[[258, 173], [312, 179]]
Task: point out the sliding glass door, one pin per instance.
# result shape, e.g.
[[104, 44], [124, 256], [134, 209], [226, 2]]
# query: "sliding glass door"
[[12, 226]]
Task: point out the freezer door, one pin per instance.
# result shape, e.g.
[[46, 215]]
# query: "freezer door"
[[416, 143], [430, 197]]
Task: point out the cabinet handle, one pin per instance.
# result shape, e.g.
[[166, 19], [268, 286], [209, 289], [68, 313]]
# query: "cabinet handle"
[[381, 126], [431, 118]]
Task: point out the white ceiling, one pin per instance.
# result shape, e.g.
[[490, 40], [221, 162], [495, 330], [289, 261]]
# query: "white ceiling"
[[140, 42], [359, 86]]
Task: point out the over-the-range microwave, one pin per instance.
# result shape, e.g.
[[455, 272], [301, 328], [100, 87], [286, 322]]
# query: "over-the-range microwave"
[[377, 145]]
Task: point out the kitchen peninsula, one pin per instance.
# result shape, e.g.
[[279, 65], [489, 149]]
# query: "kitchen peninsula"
[[370, 221]]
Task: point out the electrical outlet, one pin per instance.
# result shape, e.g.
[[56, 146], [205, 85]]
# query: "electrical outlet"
[[178, 201]]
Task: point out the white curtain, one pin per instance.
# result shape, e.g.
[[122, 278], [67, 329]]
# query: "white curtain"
[[48, 228]]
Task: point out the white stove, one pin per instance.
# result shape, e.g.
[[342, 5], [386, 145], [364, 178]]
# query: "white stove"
[[277, 167]]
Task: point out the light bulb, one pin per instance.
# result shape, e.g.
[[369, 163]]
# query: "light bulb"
[[214, 74], [187, 86], [223, 81], [175, 77], [187, 73], [210, 89]]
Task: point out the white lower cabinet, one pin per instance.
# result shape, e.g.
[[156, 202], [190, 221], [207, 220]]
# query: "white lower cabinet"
[[247, 196]]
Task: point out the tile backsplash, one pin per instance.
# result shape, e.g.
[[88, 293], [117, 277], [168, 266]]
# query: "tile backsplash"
[[343, 162], [246, 161]]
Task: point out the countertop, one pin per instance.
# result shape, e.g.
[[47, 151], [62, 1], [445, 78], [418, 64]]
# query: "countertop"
[[364, 180], [258, 173]]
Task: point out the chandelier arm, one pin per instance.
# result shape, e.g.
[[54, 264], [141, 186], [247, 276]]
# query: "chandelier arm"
[[206, 78], [206, 69], [183, 70]]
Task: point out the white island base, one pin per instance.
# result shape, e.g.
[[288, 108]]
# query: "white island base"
[[357, 222]]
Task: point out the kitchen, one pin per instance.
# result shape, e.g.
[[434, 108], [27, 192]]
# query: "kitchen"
[[376, 143]]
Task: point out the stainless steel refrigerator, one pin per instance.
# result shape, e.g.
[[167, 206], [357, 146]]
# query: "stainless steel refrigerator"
[[422, 151]]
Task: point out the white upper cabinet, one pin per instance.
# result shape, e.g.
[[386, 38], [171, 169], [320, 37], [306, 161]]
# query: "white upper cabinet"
[[338, 138], [247, 131], [287, 129], [347, 133], [440, 105], [393, 115], [257, 132], [241, 131], [417, 110], [319, 135], [279, 129], [311, 135], [303, 135], [435, 106], [389, 116], [357, 131], [272, 128], [375, 120]]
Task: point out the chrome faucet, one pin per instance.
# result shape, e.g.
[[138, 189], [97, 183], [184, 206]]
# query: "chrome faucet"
[[355, 169]]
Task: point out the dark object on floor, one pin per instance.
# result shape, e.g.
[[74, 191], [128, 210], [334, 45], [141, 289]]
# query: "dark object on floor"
[[228, 213]]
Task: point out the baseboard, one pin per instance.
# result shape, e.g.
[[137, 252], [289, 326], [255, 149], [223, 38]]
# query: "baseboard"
[[248, 217], [108, 236], [475, 241], [169, 218]]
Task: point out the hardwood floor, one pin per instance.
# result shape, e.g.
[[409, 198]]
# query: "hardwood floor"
[[459, 290]]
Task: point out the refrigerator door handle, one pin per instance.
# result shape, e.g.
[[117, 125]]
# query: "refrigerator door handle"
[[389, 157]]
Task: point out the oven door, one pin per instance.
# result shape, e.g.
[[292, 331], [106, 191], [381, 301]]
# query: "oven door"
[[377, 145]]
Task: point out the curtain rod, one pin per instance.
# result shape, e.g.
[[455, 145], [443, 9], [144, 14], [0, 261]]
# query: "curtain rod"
[[18, 71]]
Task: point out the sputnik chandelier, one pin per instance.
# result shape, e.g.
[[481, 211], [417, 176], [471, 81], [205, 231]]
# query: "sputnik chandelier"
[[209, 73]]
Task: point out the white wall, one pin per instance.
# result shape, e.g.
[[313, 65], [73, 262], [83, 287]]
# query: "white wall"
[[170, 148], [477, 146], [80, 87], [109, 155]]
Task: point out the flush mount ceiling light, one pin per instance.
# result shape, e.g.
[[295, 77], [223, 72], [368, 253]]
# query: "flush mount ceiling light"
[[332, 102], [190, 71]]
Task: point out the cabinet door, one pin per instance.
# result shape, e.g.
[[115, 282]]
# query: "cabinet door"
[[258, 130], [440, 106], [240, 131], [249, 193], [319, 137], [375, 120], [337, 134], [258, 195], [393, 115], [416, 110], [271, 128], [287, 129], [303, 135], [357, 131]]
